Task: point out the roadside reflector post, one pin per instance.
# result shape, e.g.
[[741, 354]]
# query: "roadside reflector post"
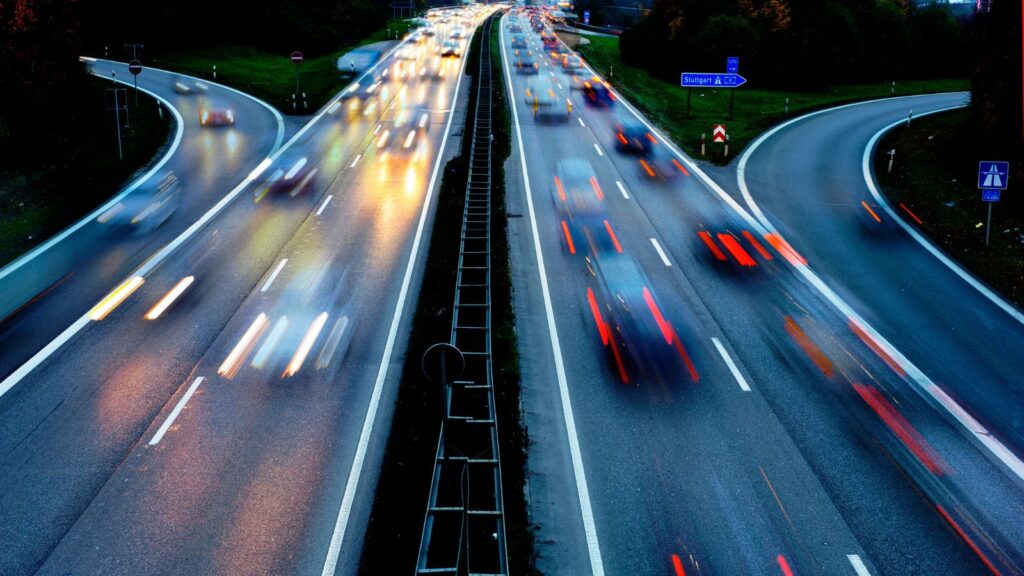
[[703, 142], [726, 153], [785, 112], [214, 71], [892, 154], [892, 90]]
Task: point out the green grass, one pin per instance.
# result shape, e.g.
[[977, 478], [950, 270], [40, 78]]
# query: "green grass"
[[38, 201], [271, 77], [754, 111], [934, 176]]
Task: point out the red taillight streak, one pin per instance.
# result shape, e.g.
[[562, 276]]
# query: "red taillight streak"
[[813, 352], [912, 215], [785, 249], [681, 167], [615, 240], [651, 138], [568, 238], [561, 191], [876, 347], [622, 139], [663, 325], [870, 211], [602, 328], [647, 168], [677, 564], [910, 437], [711, 245], [597, 188], [757, 245], [736, 250], [963, 535], [784, 565], [617, 354]]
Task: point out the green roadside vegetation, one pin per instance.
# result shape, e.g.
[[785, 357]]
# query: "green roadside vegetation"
[[754, 110], [41, 195], [936, 180], [271, 76]]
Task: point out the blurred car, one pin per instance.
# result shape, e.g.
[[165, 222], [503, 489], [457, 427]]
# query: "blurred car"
[[215, 116], [572, 64], [428, 32], [292, 176], [660, 164], [642, 344], [632, 136], [515, 28], [526, 63], [557, 52], [519, 41], [144, 210], [182, 88], [579, 203], [458, 32], [407, 53], [451, 48], [597, 93], [548, 103]]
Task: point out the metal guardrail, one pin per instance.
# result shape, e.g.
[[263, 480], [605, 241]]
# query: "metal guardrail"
[[464, 528]]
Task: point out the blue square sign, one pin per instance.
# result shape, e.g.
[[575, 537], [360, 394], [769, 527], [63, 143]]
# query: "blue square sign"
[[732, 65], [993, 175], [990, 195], [586, 16]]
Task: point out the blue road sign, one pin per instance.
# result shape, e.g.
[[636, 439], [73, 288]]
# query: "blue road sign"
[[993, 175], [586, 16], [712, 80], [990, 195], [732, 64]]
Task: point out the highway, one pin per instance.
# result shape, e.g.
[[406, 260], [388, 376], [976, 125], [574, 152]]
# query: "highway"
[[53, 285], [791, 445], [216, 412]]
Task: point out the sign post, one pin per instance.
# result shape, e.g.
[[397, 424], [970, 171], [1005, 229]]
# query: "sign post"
[[993, 177], [135, 67], [732, 66], [296, 59]]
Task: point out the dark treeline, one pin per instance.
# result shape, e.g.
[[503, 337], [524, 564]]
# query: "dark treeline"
[[44, 120], [799, 43], [313, 26]]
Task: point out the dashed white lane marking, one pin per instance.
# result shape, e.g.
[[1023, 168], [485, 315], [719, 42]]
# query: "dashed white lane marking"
[[174, 413], [622, 189], [324, 205], [581, 121], [273, 275], [598, 148], [661, 252], [356, 161], [732, 365]]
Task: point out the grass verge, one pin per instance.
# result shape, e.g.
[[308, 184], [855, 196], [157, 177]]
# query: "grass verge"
[[935, 179], [754, 111], [270, 76], [391, 544], [38, 201]]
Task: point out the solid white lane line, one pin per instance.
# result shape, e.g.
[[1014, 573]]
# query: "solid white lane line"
[[324, 205], [174, 413], [622, 189], [927, 244], [273, 275], [352, 484], [582, 491], [732, 365], [149, 265], [855, 561], [661, 253], [356, 161], [598, 148]]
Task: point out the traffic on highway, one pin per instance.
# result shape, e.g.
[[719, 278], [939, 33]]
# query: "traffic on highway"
[[752, 368]]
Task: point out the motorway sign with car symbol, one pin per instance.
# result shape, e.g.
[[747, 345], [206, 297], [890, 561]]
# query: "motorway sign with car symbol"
[[711, 80]]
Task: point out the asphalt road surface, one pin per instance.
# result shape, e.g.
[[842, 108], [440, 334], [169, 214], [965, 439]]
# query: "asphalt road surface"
[[220, 415], [794, 444]]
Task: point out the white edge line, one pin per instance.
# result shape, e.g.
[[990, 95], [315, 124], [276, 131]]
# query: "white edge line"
[[869, 179], [661, 253], [149, 265], [858, 565], [324, 205], [914, 374], [589, 527], [273, 275], [352, 484], [174, 413], [732, 365], [274, 111], [31, 254], [622, 189]]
